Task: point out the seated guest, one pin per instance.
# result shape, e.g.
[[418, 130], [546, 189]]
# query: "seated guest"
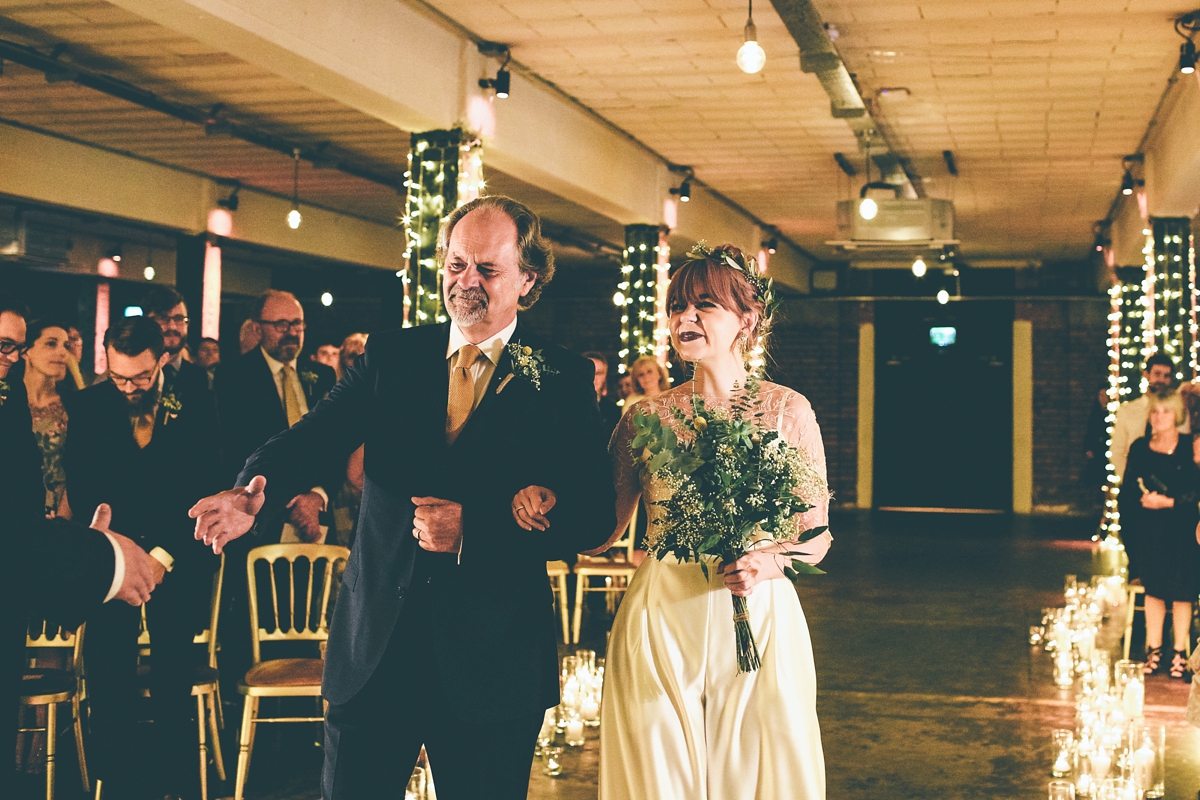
[[74, 364], [353, 346], [649, 379], [148, 451], [249, 336], [45, 368], [208, 356], [166, 306]]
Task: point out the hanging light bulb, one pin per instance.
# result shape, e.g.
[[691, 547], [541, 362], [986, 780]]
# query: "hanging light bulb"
[[293, 218], [868, 208], [918, 267], [750, 56], [943, 296]]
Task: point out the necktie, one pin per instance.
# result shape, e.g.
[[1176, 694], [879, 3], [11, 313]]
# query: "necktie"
[[291, 401], [462, 391], [143, 429]]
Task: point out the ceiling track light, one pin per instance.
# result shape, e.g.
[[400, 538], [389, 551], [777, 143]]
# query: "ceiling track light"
[[845, 165], [293, 218], [231, 202], [500, 84], [684, 192], [771, 245], [1128, 183], [114, 253], [1187, 26], [750, 56]]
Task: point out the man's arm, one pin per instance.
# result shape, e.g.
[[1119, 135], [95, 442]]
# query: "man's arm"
[[584, 514], [292, 462]]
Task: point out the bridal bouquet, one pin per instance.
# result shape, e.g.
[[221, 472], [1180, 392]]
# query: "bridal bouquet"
[[730, 482]]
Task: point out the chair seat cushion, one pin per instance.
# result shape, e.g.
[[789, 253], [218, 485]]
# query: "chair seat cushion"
[[286, 672], [199, 675], [557, 568], [42, 682]]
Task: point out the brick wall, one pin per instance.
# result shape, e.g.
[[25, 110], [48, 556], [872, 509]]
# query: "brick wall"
[[1070, 361]]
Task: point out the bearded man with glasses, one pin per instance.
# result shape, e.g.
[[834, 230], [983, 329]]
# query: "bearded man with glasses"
[[167, 307], [149, 453]]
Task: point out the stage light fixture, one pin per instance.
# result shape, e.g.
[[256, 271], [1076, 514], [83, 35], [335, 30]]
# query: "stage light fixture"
[[293, 218], [500, 84], [684, 192], [1187, 57], [771, 245], [231, 202], [1127, 183], [750, 56]]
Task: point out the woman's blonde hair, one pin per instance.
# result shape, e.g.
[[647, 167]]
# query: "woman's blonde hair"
[[664, 378], [1170, 400]]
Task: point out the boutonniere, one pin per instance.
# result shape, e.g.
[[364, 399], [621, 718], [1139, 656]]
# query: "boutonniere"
[[3, 392], [528, 363], [309, 379], [170, 406]]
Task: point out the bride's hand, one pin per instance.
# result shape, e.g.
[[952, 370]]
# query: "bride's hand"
[[751, 569], [530, 506]]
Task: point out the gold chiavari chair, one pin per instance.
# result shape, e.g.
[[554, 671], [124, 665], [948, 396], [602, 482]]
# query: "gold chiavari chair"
[[205, 683], [615, 569], [49, 688], [285, 677], [558, 572], [1132, 593]]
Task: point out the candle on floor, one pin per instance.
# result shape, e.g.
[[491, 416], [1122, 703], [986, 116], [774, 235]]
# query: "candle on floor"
[[575, 732]]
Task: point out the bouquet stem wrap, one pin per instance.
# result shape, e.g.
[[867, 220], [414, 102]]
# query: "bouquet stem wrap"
[[747, 650]]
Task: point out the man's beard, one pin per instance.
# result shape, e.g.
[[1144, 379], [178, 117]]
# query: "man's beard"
[[278, 353], [467, 307], [142, 403], [173, 342]]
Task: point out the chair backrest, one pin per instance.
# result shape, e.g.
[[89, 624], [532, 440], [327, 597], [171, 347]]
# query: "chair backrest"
[[43, 635], [629, 539], [309, 622], [206, 636]]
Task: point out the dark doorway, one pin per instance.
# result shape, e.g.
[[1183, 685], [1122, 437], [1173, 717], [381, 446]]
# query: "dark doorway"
[[943, 405]]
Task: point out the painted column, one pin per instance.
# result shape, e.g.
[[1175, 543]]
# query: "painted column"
[[866, 415], [1022, 416]]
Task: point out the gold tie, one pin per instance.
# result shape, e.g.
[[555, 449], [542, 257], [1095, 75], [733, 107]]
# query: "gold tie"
[[291, 402], [462, 391], [143, 429]]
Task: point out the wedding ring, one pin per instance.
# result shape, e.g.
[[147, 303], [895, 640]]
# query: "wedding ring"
[[519, 508]]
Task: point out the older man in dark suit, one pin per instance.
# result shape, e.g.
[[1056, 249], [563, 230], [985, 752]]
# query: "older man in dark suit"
[[443, 634], [147, 449], [54, 568]]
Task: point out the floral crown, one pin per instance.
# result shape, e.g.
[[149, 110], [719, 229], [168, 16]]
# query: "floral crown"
[[764, 290]]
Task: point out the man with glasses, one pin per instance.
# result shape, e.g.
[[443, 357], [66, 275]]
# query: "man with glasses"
[[167, 307], [149, 452], [54, 568]]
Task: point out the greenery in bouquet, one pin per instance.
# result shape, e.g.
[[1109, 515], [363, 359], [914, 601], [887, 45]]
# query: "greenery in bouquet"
[[731, 482]]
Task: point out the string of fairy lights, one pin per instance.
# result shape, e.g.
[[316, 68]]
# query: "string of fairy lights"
[[1153, 308], [445, 170], [638, 293]]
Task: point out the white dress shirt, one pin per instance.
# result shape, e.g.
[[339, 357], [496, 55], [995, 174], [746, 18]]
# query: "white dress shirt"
[[277, 374], [483, 368]]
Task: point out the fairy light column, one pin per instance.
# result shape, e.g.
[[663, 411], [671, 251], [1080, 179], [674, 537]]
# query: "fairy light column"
[[637, 294], [1125, 344], [1174, 297], [445, 170]]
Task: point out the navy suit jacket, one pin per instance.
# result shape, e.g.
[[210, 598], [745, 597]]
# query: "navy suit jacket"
[[495, 599]]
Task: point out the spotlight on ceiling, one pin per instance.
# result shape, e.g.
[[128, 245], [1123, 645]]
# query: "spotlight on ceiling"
[[750, 56], [1187, 57], [293, 218], [231, 202], [499, 84], [684, 192], [771, 245], [1127, 183], [918, 267], [114, 253]]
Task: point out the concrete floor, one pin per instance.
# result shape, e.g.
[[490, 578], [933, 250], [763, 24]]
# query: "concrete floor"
[[927, 688]]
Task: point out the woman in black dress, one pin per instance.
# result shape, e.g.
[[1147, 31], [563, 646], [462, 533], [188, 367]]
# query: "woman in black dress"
[[1158, 521]]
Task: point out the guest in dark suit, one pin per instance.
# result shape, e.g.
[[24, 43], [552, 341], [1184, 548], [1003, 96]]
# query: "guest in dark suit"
[[610, 412], [166, 306], [54, 568], [147, 449], [446, 637]]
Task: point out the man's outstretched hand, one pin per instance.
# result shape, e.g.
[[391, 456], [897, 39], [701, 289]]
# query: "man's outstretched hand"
[[142, 573], [224, 517]]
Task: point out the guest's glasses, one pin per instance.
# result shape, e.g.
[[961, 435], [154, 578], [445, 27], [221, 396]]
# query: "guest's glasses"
[[177, 319], [142, 381], [8, 347], [283, 325]]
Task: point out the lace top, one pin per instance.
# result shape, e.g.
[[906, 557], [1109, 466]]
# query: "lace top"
[[782, 409]]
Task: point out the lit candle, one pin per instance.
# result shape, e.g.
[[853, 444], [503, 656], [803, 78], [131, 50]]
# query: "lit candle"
[[575, 732], [1135, 695], [589, 709], [1100, 764]]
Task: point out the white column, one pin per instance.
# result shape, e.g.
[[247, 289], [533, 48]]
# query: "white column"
[[1022, 365], [866, 414]]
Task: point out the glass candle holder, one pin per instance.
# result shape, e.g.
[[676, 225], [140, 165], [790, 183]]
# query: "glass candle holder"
[[1062, 753], [1118, 789], [574, 732], [1149, 764], [1061, 790], [552, 758], [1131, 685]]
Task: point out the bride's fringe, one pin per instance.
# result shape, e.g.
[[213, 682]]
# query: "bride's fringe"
[[747, 650]]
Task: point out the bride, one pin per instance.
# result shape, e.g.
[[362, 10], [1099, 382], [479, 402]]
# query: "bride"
[[678, 719]]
